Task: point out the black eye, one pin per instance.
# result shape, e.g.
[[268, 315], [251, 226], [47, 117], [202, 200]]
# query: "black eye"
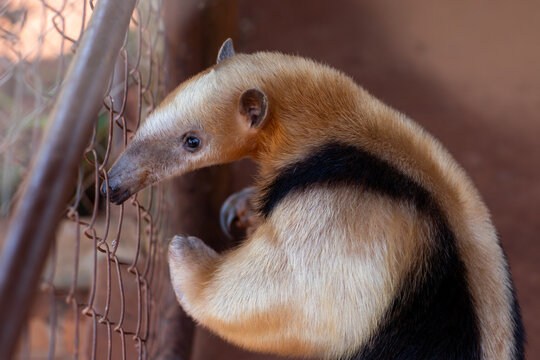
[[192, 142]]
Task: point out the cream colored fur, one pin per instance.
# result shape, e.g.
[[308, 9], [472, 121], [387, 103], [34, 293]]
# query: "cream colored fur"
[[305, 280]]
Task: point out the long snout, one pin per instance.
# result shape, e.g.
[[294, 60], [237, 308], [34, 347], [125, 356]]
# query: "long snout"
[[143, 163], [126, 177]]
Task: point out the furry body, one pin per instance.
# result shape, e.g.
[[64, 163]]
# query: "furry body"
[[372, 243]]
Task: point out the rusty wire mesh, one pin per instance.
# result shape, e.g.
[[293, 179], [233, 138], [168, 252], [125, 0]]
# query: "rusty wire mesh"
[[99, 295]]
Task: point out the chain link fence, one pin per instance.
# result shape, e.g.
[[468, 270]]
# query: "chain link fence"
[[99, 294]]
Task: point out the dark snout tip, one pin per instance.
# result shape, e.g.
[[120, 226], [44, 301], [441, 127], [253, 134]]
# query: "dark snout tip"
[[117, 195], [103, 189]]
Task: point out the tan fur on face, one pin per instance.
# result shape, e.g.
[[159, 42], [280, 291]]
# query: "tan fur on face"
[[310, 282]]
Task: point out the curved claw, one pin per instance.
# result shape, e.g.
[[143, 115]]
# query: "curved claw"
[[227, 214], [231, 207]]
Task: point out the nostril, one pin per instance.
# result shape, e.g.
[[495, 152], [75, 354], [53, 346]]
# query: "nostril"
[[103, 189], [113, 187]]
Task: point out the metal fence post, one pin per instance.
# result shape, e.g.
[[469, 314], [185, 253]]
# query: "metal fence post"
[[33, 225]]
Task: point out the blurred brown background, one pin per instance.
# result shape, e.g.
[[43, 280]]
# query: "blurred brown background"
[[467, 71]]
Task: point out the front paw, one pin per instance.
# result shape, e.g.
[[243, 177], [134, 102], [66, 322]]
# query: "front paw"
[[190, 261], [189, 250], [239, 209]]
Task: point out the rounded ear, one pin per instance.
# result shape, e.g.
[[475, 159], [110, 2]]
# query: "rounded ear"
[[254, 105], [226, 51]]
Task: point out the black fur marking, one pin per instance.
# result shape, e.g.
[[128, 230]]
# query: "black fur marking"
[[435, 320], [342, 164], [519, 331], [432, 317], [520, 337]]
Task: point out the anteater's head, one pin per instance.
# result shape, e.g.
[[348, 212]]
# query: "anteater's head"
[[211, 118]]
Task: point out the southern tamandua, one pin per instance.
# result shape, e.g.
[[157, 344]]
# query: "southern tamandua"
[[371, 243]]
